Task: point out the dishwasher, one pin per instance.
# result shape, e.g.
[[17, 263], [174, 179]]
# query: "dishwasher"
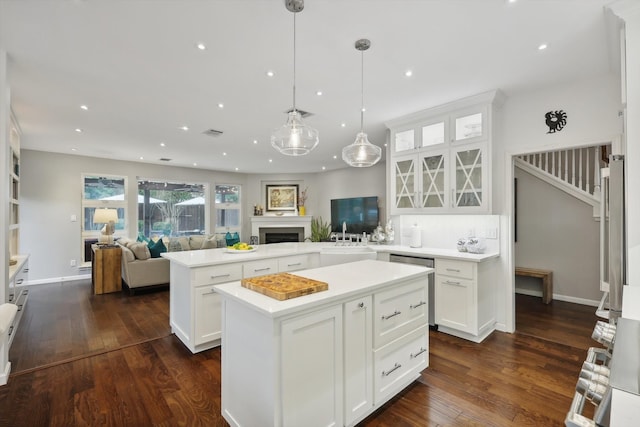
[[424, 262]]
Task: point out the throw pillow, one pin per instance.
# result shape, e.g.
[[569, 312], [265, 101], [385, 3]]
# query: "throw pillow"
[[209, 242], [127, 254], [156, 248], [140, 250], [142, 238], [174, 245], [124, 241], [195, 242]]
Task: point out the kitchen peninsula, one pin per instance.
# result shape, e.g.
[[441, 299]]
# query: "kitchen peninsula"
[[328, 358], [194, 306]]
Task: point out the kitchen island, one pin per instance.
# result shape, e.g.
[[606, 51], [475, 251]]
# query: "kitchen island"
[[328, 358]]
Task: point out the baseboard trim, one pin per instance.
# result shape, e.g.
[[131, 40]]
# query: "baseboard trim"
[[59, 279], [566, 298]]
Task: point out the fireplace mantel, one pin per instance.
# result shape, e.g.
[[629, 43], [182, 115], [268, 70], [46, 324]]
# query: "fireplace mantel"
[[258, 222]]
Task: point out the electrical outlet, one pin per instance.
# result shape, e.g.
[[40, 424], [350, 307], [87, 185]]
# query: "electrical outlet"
[[73, 263], [74, 218], [491, 233]]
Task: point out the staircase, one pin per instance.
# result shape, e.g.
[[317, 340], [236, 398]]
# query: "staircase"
[[575, 171]]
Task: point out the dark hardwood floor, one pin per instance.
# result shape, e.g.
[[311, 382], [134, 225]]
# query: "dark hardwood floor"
[[80, 359]]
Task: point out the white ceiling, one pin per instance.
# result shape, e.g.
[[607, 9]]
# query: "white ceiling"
[[136, 66]]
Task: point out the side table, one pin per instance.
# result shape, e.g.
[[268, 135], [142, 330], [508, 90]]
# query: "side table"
[[105, 269]]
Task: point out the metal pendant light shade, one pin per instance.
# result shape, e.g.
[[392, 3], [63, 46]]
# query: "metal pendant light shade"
[[362, 153], [294, 138]]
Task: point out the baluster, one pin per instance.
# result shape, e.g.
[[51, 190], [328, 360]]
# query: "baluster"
[[573, 167], [546, 162], [580, 183], [553, 163], [566, 165]]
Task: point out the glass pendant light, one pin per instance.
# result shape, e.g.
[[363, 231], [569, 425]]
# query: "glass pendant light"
[[294, 138], [362, 153]]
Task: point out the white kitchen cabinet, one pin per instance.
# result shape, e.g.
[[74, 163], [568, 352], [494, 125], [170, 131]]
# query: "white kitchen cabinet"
[[312, 392], [464, 298], [259, 267], [17, 292], [313, 360], [297, 262], [440, 158], [207, 327], [358, 358]]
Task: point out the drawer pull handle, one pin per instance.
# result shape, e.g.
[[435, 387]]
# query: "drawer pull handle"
[[360, 305], [20, 307], [211, 291], [422, 350], [449, 282], [421, 303], [454, 270], [10, 330], [262, 269], [389, 316], [19, 281], [220, 276], [396, 366], [294, 264]]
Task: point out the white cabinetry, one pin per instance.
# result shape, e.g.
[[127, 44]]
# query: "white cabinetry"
[[464, 298], [440, 158], [194, 305], [330, 364], [17, 292]]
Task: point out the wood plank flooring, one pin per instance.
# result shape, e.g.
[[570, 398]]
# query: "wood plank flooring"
[[110, 360]]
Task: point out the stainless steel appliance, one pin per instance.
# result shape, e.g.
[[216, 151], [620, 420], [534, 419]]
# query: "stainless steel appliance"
[[612, 238], [425, 262]]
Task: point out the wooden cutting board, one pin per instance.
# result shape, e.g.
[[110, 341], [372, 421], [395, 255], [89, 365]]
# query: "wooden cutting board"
[[282, 286]]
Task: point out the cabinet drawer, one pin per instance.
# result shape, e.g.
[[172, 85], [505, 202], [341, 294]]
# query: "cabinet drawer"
[[293, 263], [397, 363], [453, 268], [398, 311], [259, 268], [217, 274]]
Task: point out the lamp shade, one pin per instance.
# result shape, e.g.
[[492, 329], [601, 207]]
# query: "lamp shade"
[[361, 153], [104, 216], [294, 138]]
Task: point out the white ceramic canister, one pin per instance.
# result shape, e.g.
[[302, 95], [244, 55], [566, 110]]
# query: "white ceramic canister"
[[415, 238]]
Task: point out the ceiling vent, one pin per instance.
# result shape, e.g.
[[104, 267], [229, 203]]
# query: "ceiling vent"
[[164, 159], [213, 132], [303, 113]]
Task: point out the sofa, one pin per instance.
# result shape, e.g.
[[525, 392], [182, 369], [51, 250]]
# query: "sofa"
[[142, 266]]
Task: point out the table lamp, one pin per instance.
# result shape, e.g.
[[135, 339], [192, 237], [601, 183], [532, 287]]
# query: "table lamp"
[[108, 217]]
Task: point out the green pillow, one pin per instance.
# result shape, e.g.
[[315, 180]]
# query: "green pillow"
[[156, 248], [142, 238]]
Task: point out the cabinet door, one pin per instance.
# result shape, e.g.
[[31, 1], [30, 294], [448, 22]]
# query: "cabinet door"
[[358, 386], [434, 174], [311, 369], [405, 183], [455, 306], [469, 125], [207, 313], [404, 140], [469, 177]]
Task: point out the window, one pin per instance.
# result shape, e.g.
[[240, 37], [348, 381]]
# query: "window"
[[101, 191], [171, 208], [228, 217]]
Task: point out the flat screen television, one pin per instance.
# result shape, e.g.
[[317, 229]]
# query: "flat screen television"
[[360, 213]]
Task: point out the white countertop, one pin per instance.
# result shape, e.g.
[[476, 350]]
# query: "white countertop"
[[200, 258], [344, 280]]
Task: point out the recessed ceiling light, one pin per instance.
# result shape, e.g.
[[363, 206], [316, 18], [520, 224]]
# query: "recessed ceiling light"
[[335, 157], [323, 168], [162, 144], [543, 46], [84, 107], [237, 169], [184, 128], [224, 154], [141, 158], [78, 130], [201, 46], [511, 1], [270, 160], [74, 149], [255, 141], [408, 73], [221, 105], [195, 164], [319, 93], [270, 73], [343, 125]]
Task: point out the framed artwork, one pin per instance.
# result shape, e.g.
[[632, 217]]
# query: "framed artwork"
[[282, 198]]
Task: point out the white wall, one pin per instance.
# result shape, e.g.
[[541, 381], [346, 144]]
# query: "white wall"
[[4, 173], [557, 232], [51, 184]]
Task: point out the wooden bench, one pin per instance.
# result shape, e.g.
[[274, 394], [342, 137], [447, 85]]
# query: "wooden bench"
[[547, 280]]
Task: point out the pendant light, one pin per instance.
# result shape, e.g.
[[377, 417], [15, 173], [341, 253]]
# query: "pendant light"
[[362, 153], [294, 138]]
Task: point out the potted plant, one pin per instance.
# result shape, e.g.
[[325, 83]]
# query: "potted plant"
[[302, 198], [320, 231]]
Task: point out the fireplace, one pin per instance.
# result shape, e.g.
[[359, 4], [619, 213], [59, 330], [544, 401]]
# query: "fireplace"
[[281, 234], [286, 228]]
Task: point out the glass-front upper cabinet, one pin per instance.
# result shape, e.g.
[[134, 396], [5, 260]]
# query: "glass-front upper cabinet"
[[404, 141], [469, 125], [469, 176], [426, 134], [435, 176], [404, 183]]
